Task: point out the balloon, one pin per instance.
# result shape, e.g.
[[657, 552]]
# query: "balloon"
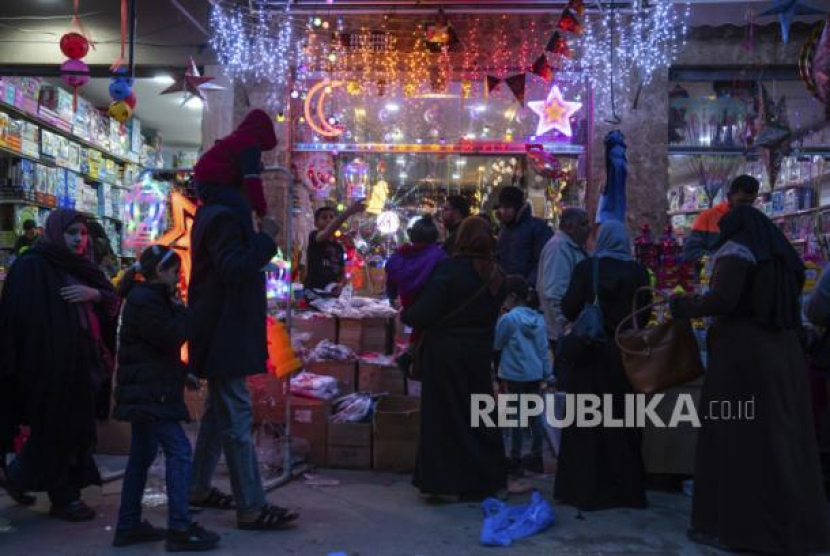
[[79, 76], [74, 46], [120, 111], [120, 89], [131, 101]]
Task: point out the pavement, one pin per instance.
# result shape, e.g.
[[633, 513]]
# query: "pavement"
[[363, 514]]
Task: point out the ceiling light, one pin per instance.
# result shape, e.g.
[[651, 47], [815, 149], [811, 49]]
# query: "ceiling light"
[[164, 80]]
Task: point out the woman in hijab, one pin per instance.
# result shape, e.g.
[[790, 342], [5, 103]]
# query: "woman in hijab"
[[602, 467], [57, 328], [457, 312], [758, 484]]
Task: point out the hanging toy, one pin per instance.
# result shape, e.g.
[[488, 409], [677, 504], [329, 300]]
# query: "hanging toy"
[[121, 92], [131, 101], [75, 74], [120, 111], [120, 89], [75, 44]]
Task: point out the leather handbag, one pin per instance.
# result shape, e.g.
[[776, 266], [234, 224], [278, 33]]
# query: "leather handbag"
[[659, 357]]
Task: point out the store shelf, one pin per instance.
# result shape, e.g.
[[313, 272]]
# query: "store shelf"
[[799, 213], [26, 203], [685, 212], [677, 150], [52, 164], [54, 129]]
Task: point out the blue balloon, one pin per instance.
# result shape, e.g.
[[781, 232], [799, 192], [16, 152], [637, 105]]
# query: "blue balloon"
[[120, 89]]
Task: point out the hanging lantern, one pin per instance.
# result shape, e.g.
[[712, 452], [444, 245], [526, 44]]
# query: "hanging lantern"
[[74, 45], [357, 178], [120, 89], [75, 73], [120, 111]]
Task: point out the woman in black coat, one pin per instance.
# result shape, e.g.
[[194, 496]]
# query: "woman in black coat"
[[57, 335], [601, 467], [149, 394], [758, 485], [457, 312]]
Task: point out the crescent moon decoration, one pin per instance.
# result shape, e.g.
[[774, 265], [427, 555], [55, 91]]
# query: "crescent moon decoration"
[[321, 127], [805, 60]]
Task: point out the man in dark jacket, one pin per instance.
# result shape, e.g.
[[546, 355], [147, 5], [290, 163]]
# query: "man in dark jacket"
[[228, 323], [454, 211], [522, 235]]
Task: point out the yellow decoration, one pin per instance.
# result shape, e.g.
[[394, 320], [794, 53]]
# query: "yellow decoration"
[[354, 88], [466, 89], [120, 111], [380, 192], [283, 361]]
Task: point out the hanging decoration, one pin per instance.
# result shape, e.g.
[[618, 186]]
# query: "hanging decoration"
[[145, 206], [356, 175], [517, 87], [319, 174], [253, 41], [623, 47], [577, 6], [612, 203], [75, 44], [314, 109], [814, 64], [558, 45], [786, 10], [440, 34], [120, 111], [545, 164], [193, 85], [554, 113], [123, 100], [492, 83], [120, 61], [542, 69], [569, 23]]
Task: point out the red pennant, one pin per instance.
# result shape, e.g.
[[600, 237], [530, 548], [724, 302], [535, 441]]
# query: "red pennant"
[[569, 23], [517, 86], [577, 6], [492, 83], [542, 69], [558, 45]]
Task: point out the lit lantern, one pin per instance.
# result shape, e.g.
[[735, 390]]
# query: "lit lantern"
[[388, 223], [144, 208], [357, 178]]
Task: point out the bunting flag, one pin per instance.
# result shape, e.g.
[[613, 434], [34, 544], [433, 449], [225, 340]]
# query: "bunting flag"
[[577, 6], [558, 45], [517, 86], [492, 83], [542, 69], [569, 23]]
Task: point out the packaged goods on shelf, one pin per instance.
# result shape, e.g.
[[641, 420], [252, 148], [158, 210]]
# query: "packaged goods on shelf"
[[318, 387], [327, 350]]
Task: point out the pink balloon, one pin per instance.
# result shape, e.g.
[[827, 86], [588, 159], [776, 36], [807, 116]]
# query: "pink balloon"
[[75, 80]]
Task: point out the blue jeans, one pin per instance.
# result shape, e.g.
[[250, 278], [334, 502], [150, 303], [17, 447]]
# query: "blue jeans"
[[226, 426], [537, 426], [146, 439]]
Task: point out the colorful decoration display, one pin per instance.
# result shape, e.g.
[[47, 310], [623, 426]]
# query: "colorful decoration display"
[[183, 211], [786, 10], [356, 175], [388, 223], [75, 44], [554, 112], [145, 206], [192, 84], [814, 64], [278, 278], [319, 173], [316, 118]]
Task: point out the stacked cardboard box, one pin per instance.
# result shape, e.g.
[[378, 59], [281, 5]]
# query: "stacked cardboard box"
[[375, 335], [344, 371], [350, 334], [319, 325], [309, 421], [376, 377], [396, 427], [267, 398], [349, 446]]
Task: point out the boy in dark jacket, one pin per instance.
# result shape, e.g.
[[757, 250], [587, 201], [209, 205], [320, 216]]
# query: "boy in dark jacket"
[[149, 394], [522, 235]]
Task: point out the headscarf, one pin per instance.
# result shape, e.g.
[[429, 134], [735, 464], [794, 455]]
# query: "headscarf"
[[613, 241], [53, 248], [475, 241], [779, 276]]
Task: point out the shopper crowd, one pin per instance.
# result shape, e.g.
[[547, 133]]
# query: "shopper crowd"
[[758, 484]]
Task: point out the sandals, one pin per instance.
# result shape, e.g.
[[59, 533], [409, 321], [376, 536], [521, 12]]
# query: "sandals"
[[270, 518], [215, 499], [74, 512], [14, 493]]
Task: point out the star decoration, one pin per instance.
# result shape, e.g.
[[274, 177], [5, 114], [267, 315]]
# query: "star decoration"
[[177, 237], [192, 84], [786, 10], [554, 112]]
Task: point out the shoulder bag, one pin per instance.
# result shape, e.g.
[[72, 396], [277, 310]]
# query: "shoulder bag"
[[659, 357]]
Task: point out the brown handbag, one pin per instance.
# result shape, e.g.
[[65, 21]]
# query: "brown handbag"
[[659, 357]]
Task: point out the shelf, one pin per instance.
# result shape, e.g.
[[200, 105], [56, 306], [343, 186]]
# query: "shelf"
[[799, 213], [677, 150], [24, 202], [54, 129], [685, 212], [52, 164]]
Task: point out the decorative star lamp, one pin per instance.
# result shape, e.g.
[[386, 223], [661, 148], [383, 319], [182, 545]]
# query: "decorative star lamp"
[[177, 237], [554, 112], [192, 84]]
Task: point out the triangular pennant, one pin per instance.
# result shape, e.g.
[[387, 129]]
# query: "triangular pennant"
[[577, 6], [558, 45], [542, 69], [492, 83], [569, 23], [517, 86]]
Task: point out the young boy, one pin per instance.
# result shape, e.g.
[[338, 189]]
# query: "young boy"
[[325, 262]]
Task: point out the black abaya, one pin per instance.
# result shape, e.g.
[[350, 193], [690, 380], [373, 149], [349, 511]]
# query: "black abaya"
[[454, 458], [600, 468]]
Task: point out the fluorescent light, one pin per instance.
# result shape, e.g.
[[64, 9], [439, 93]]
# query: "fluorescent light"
[[455, 176], [392, 107], [195, 103], [164, 80]]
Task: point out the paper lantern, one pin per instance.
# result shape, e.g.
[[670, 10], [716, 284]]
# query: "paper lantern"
[[120, 89], [75, 73], [74, 45], [357, 178], [120, 111]]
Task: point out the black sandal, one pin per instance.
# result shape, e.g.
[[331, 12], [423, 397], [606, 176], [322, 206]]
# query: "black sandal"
[[215, 499], [14, 493], [269, 518]]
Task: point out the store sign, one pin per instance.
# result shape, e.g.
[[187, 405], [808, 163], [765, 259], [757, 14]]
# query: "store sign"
[[462, 147]]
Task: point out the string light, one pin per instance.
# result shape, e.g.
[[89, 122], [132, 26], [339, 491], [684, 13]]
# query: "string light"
[[620, 49]]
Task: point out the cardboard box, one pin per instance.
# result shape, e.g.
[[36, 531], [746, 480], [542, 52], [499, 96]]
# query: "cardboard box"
[[309, 421], [344, 371], [349, 446], [376, 335], [318, 325], [396, 428], [350, 334], [267, 398], [378, 378]]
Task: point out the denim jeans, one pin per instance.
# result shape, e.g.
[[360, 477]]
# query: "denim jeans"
[[144, 446], [226, 426], [537, 426]]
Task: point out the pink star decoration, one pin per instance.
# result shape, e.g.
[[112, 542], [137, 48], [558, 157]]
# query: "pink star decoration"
[[554, 112], [192, 84]]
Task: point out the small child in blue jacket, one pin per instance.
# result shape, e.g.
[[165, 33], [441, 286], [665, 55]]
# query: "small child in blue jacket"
[[525, 364]]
